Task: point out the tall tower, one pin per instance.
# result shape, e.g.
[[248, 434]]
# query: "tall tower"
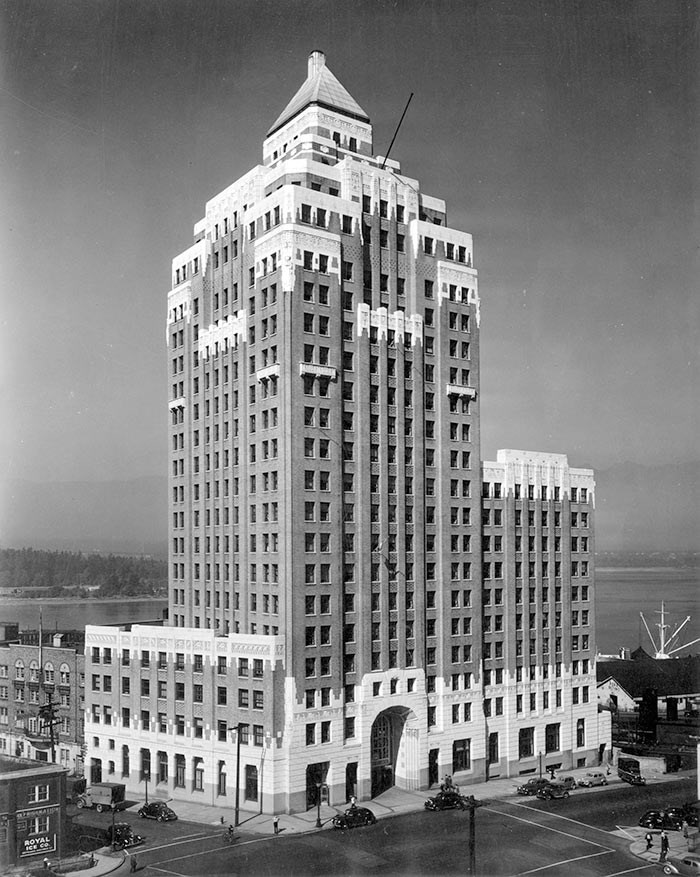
[[326, 481]]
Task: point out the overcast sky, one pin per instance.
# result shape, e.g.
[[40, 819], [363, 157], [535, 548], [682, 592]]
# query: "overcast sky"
[[563, 136]]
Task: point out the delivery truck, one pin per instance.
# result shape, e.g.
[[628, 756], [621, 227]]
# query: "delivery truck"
[[102, 796]]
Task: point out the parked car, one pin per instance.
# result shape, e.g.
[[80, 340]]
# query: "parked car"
[[158, 810], [686, 864], [353, 817], [447, 800], [634, 779], [660, 819], [593, 778], [122, 836], [553, 790], [686, 812], [532, 787], [569, 783], [690, 811]]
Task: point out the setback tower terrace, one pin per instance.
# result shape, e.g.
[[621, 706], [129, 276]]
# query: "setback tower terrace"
[[348, 592]]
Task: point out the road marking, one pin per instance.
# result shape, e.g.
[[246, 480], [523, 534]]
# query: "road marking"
[[559, 816], [632, 870], [549, 828], [165, 871], [243, 843], [625, 832], [183, 840], [565, 862]]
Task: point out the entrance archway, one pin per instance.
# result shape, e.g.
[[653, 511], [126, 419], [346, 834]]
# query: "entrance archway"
[[395, 751]]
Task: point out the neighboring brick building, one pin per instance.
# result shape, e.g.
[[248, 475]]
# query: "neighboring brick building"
[[325, 504], [32, 810], [33, 677]]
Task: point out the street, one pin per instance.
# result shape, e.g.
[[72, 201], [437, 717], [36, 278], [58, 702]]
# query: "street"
[[515, 836]]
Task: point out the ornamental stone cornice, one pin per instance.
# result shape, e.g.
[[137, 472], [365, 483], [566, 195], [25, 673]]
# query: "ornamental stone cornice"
[[228, 332], [319, 371], [459, 390]]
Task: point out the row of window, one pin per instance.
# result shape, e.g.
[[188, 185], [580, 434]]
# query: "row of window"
[[250, 771], [495, 543], [495, 491], [164, 661], [495, 570], [35, 674]]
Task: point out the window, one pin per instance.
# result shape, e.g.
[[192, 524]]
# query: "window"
[[551, 738], [461, 755], [38, 793], [526, 742]]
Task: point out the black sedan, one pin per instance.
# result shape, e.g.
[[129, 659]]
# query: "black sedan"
[[121, 835], [532, 787], [447, 800], [660, 819], [353, 817], [157, 810], [684, 813]]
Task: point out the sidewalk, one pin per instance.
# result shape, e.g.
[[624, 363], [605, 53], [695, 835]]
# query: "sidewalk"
[[391, 803], [106, 861], [677, 844]]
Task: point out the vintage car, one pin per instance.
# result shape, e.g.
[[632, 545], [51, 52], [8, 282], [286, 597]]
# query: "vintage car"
[[686, 812], [553, 790], [569, 783], [121, 835], [353, 817], [593, 778], [685, 864], [158, 810], [533, 786], [661, 819], [448, 799], [629, 776]]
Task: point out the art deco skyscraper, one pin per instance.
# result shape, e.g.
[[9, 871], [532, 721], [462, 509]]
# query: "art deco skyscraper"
[[326, 488]]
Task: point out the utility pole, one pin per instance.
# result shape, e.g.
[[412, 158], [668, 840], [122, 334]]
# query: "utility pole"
[[471, 805], [49, 717]]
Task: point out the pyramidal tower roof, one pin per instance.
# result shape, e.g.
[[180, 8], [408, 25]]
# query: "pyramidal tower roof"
[[322, 89]]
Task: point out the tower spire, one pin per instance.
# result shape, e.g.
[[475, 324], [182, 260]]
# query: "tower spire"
[[321, 89]]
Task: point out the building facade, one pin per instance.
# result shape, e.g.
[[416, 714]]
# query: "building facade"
[[42, 698], [32, 811], [326, 510]]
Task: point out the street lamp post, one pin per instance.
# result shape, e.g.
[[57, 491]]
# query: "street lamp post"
[[237, 729], [319, 824], [540, 757], [472, 804], [113, 807], [146, 778]]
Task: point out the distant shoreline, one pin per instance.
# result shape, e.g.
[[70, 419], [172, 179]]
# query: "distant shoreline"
[[13, 598], [646, 568]]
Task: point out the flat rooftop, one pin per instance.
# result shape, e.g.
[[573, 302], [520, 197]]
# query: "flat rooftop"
[[17, 767]]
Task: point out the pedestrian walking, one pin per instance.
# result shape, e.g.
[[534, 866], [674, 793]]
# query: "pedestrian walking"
[[134, 864], [664, 846], [685, 829], [276, 824], [649, 839]]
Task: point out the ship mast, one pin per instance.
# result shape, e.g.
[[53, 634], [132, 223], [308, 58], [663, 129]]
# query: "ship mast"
[[663, 649]]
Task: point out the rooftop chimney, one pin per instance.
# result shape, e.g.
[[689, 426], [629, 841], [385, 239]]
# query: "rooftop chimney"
[[317, 60]]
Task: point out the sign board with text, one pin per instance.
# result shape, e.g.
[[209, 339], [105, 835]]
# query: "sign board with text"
[[41, 844]]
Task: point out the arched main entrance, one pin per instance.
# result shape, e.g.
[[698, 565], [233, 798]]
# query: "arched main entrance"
[[394, 748]]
